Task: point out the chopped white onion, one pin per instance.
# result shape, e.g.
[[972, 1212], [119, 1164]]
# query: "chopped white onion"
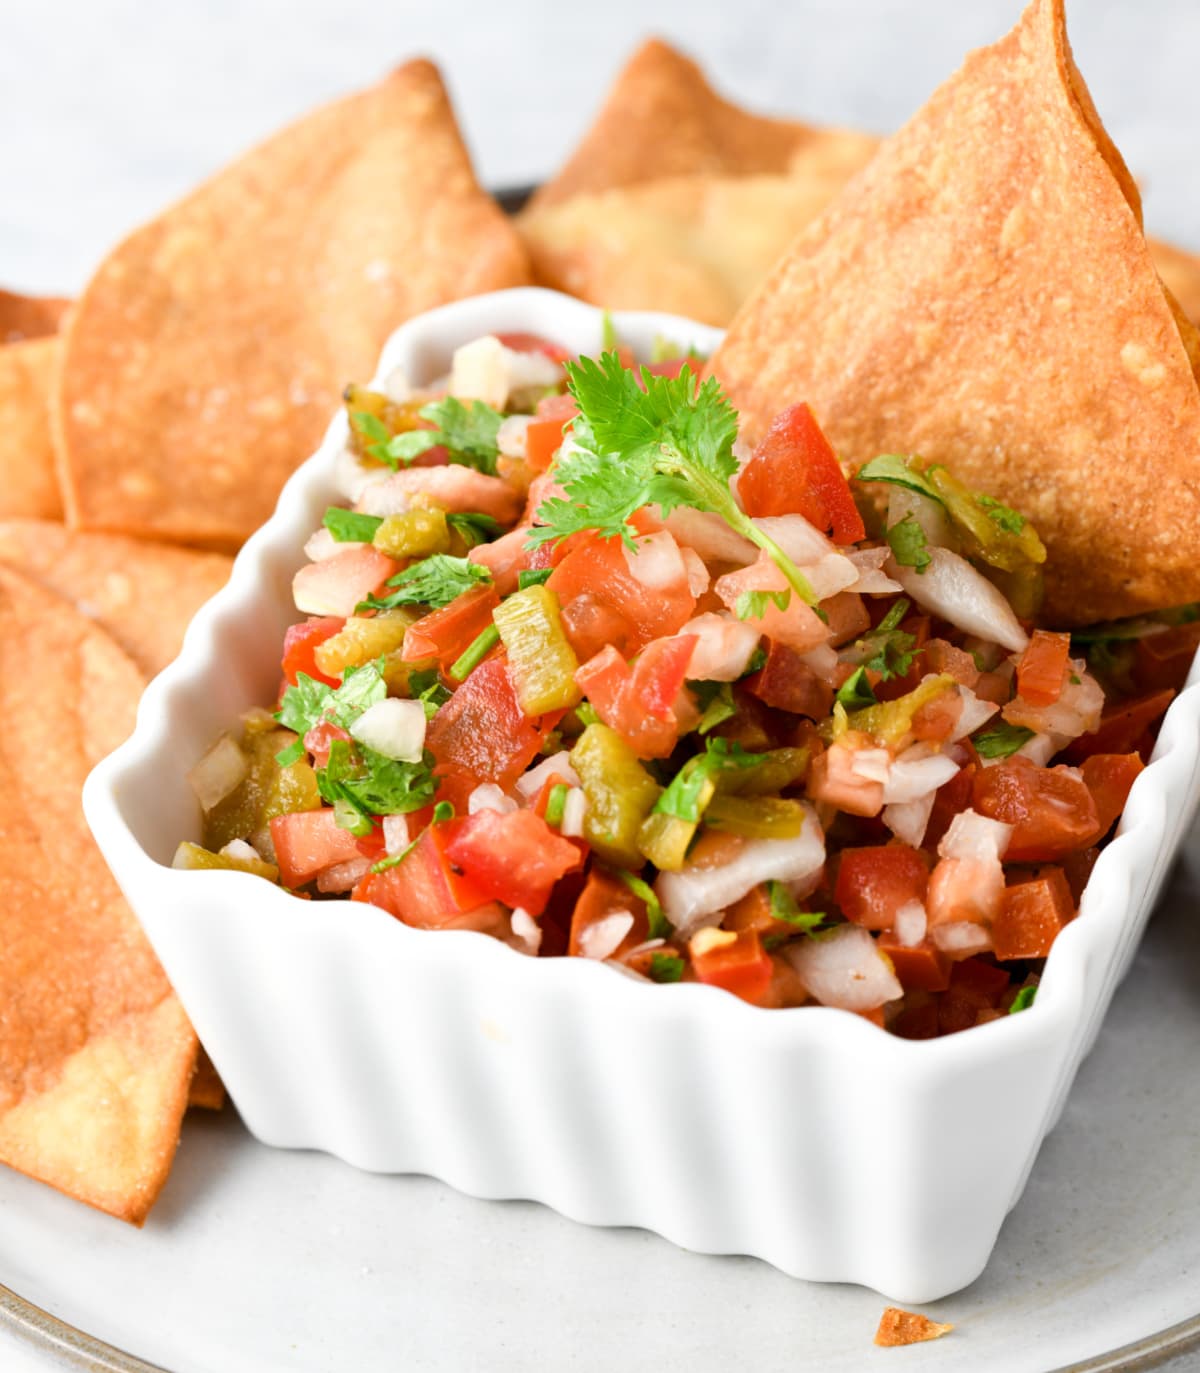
[[526, 930], [220, 770], [479, 371], [694, 893], [352, 476], [975, 836], [603, 937], [574, 810], [871, 764], [710, 536], [698, 578], [908, 820], [975, 713], [950, 587], [532, 368], [396, 386], [395, 834], [912, 778], [655, 561], [910, 924], [393, 727], [341, 877], [872, 579], [322, 545], [845, 969], [962, 937], [823, 660], [512, 436], [1040, 749], [831, 574], [929, 514], [531, 782], [488, 796], [801, 541], [454, 488], [724, 649], [238, 848]]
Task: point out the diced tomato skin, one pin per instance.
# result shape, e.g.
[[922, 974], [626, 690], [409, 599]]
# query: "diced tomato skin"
[[598, 568], [1109, 777], [742, 968], [1042, 668], [795, 471], [300, 644], [602, 894], [1164, 660], [940, 656], [917, 1022], [920, 967], [307, 841], [934, 722], [751, 912], [446, 633], [515, 858], [873, 883], [660, 672], [1078, 869], [1034, 913], [847, 617], [591, 625], [544, 435], [977, 987], [623, 698], [424, 890], [1121, 726], [786, 682], [534, 343], [950, 799], [1051, 809], [318, 740]]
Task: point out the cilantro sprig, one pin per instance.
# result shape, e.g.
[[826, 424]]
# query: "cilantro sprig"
[[887, 649], [348, 526], [691, 789], [434, 581], [1001, 741], [466, 431], [907, 541], [649, 441]]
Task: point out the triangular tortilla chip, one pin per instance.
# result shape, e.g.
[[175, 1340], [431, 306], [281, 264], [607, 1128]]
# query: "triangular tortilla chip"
[[982, 295], [144, 594], [1180, 272], [96, 1053], [25, 317], [662, 119], [206, 356], [693, 245], [28, 482]]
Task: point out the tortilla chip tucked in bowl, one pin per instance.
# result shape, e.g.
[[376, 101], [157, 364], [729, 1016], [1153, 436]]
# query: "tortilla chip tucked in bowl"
[[204, 359], [96, 1054], [982, 295], [26, 317]]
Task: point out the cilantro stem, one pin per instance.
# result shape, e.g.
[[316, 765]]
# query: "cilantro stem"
[[474, 654]]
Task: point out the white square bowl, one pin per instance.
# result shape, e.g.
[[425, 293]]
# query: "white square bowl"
[[806, 1137]]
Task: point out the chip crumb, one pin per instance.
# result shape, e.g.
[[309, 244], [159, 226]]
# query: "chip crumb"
[[898, 1327]]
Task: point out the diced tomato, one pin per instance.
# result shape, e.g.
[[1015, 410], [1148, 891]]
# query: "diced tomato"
[[741, 967], [307, 841], [598, 568], [752, 912], [795, 471], [975, 986], [592, 624], [1078, 869], [934, 722], [1164, 659], [1051, 809], [1042, 668], [917, 1021], [515, 858], [670, 367], [1121, 726], [940, 656], [920, 967], [534, 343], [786, 682], [424, 889], [446, 633], [334, 586], [951, 798], [602, 895], [795, 624], [832, 780], [1109, 777], [846, 617], [1034, 911], [505, 558], [300, 644], [965, 889], [620, 698], [544, 435], [481, 734], [873, 883], [318, 740], [660, 671], [994, 687]]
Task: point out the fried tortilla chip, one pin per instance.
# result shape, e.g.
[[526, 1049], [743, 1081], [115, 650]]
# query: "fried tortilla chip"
[[897, 1327], [206, 356], [96, 1053], [693, 245], [663, 119], [28, 484], [982, 295], [206, 1091], [1180, 273], [143, 594], [25, 317]]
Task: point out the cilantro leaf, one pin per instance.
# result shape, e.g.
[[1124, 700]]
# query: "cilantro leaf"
[[309, 702], [348, 526], [785, 908], [434, 581], [716, 704], [692, 787], [907, 542], [887, 649], [472, 528], [666, 967], [302, 706], [647, 440], [1001, 741], [376, 436], [533, 576], [361, 783], [855, 692], [896, 470], [656, 920], [467, 432], [1023, 999], [752, 605], [425, 685], [1008, 519]]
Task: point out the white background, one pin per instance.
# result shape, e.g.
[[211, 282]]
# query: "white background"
[[111, 108]]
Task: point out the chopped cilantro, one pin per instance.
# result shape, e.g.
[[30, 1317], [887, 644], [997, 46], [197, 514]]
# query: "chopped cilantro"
[[309, 702], [1023, 999], [533, 576], [716, 704], [647, 440], [556, 804], [752, 605], [1001, 740], [855, 692], [434, 581], [467, 432], [360, 783], [666, 967], [656, 920], [758, 660], [474, 653], [897, 471], [609, 342], [375, 434], [785, 908], [907, 542], [471, 527], [692, 786], [586, 713], [444, 810], [887, 649], [1008, 519], [348, 526]]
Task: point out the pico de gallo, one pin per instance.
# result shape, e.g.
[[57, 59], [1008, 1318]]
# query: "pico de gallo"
[[577, 670]]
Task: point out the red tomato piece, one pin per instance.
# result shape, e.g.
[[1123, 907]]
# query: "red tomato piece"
[[1109, 777], [795, 471], [306, 841], [534, 343], [1042, 668], [873, 883], [300, 644], [975, 986], [613, 690], [424, 890], [602, 895], [597, 568], [1034, 912], [1051, 809], [591, 625], [671, 367], [446, 633], [951, 798], [515, 858], [1163, 660], [918, 1021], [318, 740], [660, 672], [920, 967], [786, 682], [741, 967], [1121, 726], [544, 435]]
